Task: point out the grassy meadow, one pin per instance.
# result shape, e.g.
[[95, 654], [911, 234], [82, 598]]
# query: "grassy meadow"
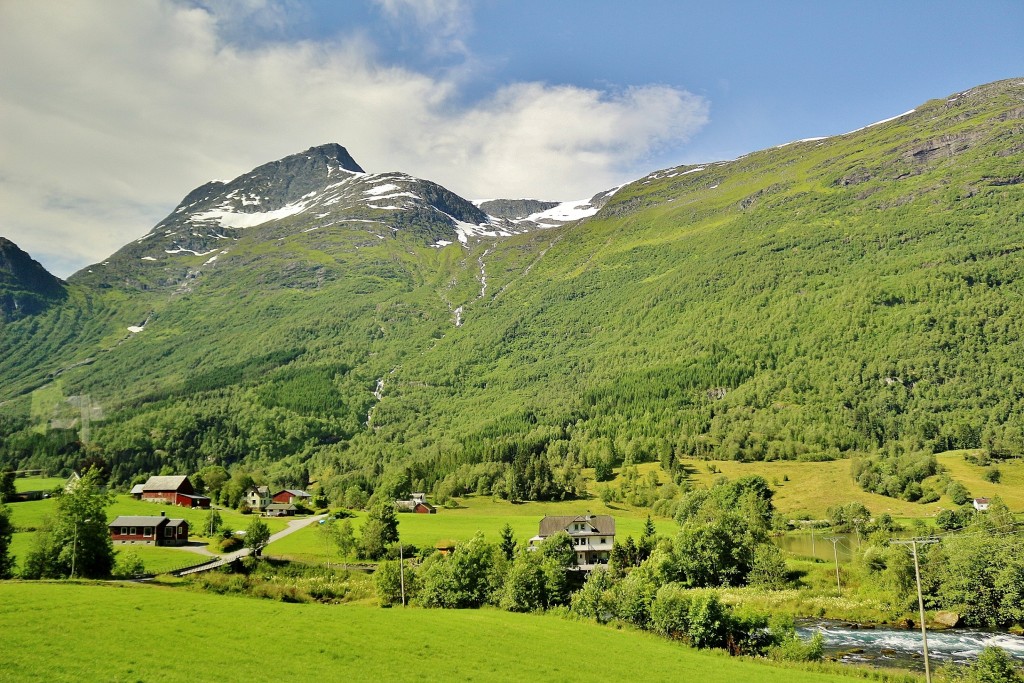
[[39, 483], [475, 513], [202, 637], [813, 487]]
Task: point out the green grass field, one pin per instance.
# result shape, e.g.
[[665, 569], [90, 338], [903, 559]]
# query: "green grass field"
[[31, 515], [132, 632], [38, 483], [476, 514]]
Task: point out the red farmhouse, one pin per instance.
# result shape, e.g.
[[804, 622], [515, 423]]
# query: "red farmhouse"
[[149, 530], [174, 491]]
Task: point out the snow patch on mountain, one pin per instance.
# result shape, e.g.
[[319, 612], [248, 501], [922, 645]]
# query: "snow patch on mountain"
[[233, 219]]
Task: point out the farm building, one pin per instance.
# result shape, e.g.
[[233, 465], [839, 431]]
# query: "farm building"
[[176, 490], [417, 503], [592, 536], [149, 530], [289, 496], [281, 510]]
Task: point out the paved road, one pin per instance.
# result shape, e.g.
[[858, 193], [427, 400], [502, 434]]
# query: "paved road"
[[293, 526]]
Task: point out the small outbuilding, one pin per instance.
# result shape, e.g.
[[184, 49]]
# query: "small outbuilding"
[[981, 504], [280, 510]]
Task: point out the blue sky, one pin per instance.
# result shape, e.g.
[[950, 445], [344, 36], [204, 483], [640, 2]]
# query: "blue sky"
[[111, 112]]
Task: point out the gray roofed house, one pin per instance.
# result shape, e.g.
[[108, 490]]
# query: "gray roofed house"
[[592, 536], [175, 489], [149, 530], [168, 483], [281, 510]]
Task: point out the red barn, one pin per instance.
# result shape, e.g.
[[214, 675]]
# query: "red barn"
[[176, 490], [291, 496], [149, 530]]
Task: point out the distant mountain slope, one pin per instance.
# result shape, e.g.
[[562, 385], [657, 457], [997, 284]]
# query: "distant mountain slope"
[[833, 296], [25, 286]]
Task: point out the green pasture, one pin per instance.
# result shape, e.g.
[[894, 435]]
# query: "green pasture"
[[484, 514], [31, 514], [1011, 484], [813, 487], [228, 638], [39, 483]]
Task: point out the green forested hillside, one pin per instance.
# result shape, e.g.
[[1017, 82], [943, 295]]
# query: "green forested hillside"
[[856, 294]]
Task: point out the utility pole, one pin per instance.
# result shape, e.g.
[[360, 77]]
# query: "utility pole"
[[74, 551], [835, 554], [401, 571], [920, 599]]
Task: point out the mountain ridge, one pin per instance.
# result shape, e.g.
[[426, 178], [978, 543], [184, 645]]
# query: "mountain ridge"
[[833, 297]]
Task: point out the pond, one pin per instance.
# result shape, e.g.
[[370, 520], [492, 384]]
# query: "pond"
[[817, 546]]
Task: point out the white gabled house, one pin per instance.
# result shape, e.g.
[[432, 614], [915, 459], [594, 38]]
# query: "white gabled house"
[[592, 536], [981, 504]]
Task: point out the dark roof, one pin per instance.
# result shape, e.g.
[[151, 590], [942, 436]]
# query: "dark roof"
[[281, 506], [552, 524], [138, 520], [177, 522], [164, 483], [194, 496]]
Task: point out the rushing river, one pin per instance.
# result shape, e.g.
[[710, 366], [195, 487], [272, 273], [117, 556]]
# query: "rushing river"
[[902, 648]]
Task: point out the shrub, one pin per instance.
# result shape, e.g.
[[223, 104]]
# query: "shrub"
[[129, 565], [709, 622], [670, 613], [794, 649], [230, 545], [992, 666]]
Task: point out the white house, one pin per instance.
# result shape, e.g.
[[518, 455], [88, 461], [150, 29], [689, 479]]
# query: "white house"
[[257, 497], [981, 504], [592, 536]]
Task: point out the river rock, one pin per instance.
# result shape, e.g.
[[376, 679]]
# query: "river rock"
[[947, 619]]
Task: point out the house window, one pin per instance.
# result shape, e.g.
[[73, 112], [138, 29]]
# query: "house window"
[[147, 531], [603, 541], [124, 531], [134, 531], [169, 532]]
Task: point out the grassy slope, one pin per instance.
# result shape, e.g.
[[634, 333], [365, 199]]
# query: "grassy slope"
[[133, 633], [813, 487]]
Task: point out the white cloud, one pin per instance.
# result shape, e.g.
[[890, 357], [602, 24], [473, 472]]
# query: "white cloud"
[[112, 112]]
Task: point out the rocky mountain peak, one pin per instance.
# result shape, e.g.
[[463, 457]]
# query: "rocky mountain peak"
[[25, 286]]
